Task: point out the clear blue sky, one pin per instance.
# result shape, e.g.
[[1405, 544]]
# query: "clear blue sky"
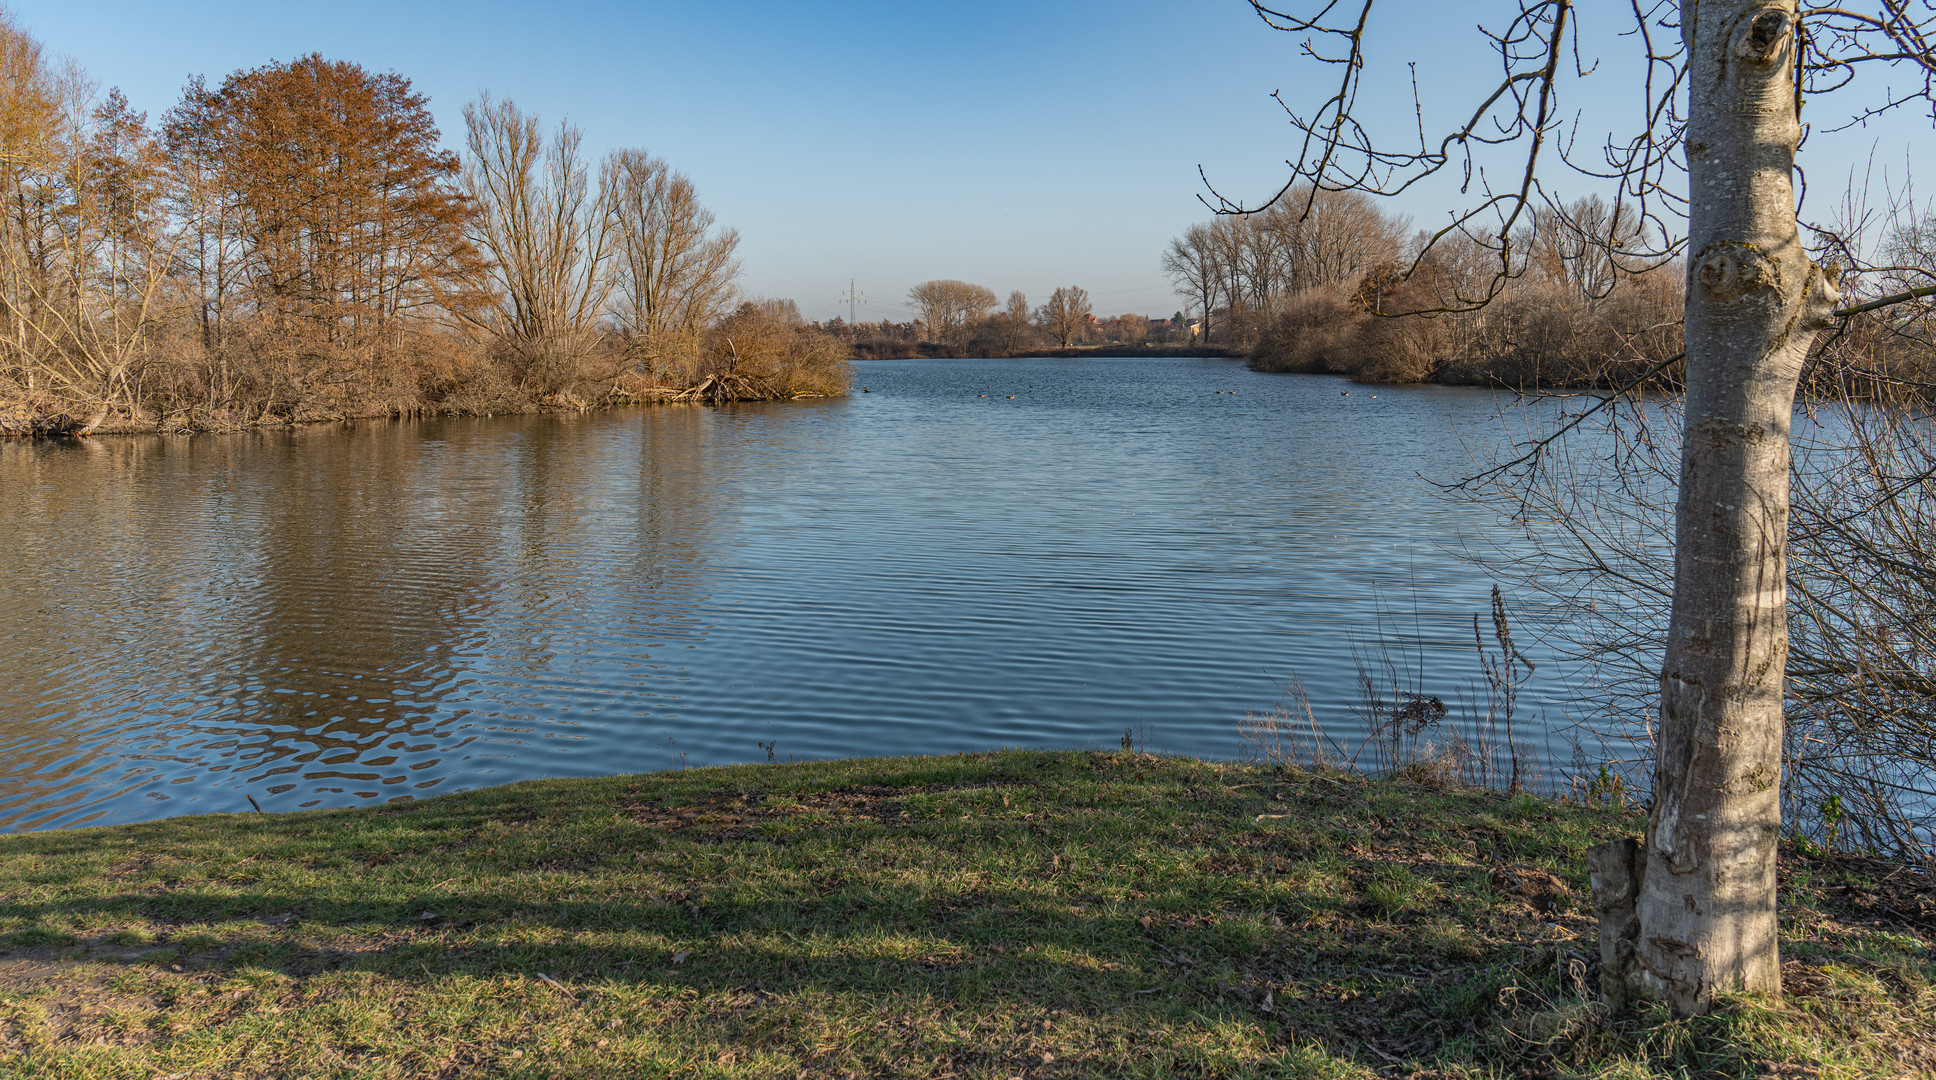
[[1015, 145]]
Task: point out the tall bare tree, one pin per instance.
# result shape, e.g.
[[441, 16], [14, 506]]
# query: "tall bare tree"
[[86, 253], [1194, 269], [1066, 315], [1013, 326], [1329, 239], [1584, 246], [545, 225], [1687, 914], [674, 270]]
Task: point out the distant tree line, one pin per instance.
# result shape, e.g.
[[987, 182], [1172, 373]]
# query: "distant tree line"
[[957, 318], [293, 244]]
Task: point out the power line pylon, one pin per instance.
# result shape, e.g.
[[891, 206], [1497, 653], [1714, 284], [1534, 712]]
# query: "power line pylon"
[[854, 299]]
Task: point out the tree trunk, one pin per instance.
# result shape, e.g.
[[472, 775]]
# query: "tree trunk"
[[1702, 886]]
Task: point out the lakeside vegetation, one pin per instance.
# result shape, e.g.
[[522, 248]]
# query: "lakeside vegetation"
[[1022, 913], [1327, 282], [294, 245]]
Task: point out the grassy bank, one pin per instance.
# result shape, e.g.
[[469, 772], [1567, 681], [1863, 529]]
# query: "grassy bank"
[[993, 915]]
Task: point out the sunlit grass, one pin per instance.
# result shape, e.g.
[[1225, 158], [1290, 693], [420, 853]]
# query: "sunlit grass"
[[992, 915]]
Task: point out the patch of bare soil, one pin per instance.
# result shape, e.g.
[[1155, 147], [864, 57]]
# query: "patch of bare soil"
[[66, 996]]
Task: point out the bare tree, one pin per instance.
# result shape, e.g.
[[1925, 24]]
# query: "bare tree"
[[675, 271], [1330, 239], [949, 308], [546, 227], [1013, 326], [85, 252], [1193, 268], [1066, 315], [1689, 913], [1584, 246]]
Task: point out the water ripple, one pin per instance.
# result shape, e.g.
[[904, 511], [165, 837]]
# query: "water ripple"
[[331, 616]]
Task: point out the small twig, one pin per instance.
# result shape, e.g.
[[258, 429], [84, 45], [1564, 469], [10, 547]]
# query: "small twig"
[[556, 985], [252, 802]]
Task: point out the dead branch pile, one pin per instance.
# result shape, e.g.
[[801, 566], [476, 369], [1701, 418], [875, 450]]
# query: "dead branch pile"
[[727, 386]]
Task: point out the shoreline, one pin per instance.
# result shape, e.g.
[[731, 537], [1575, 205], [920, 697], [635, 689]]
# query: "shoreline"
[[638, 399], [1031, 913]]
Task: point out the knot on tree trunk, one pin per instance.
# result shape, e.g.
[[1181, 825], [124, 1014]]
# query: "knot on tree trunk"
[[1764, 39], [1729, 269]]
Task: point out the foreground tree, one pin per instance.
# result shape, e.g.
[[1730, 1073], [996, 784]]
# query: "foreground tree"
[[1688, 914], [1704, 886]]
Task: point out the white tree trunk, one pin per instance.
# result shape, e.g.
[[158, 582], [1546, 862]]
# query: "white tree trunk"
[[1691, 914]]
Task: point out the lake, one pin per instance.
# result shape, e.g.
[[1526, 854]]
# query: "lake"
[[971, 554]]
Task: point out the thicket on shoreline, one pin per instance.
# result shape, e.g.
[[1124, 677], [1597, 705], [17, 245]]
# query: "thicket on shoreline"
[[1326, 282], [1535, 334], [294, 245], [1542, 334]]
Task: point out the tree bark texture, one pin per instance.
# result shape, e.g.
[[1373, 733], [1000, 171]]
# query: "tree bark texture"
[[1704, 900]]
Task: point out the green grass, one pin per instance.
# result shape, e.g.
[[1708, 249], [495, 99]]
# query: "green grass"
[[990, 915]]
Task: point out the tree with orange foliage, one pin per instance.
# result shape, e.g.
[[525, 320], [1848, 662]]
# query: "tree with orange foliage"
[[345, 204]]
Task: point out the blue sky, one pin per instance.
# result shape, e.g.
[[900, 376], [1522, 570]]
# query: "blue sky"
[[1015, 145]]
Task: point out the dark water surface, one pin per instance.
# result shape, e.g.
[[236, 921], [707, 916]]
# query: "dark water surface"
[[337, 616]]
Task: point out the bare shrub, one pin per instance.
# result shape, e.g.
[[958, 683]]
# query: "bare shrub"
[[775, 347], [1399, 350], [1317, 330]]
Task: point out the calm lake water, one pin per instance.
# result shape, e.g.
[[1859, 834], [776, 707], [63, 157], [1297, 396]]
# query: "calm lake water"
[[973, 554]]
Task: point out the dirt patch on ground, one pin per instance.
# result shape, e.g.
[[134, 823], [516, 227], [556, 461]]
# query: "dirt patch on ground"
[[52, 998]]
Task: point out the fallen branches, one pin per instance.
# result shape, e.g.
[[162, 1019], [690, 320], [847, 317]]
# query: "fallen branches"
[[718, 388]]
